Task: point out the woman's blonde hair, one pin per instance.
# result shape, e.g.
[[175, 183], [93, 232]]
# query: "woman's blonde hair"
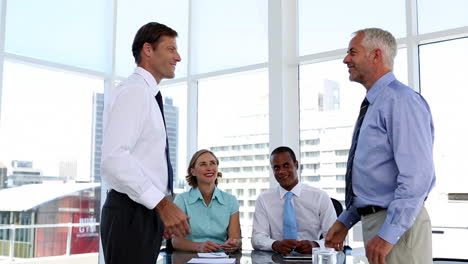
[[191, 179]]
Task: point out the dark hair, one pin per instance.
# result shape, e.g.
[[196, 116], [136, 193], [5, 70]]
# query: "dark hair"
[[283, 149], [150, 33], [191, 179]]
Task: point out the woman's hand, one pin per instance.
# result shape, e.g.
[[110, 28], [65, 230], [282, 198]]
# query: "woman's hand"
[[232, 244], [208, 246]]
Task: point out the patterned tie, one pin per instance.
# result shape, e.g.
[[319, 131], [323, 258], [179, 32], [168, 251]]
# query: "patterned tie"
[[170, 173], [352, 151], [289, 219]]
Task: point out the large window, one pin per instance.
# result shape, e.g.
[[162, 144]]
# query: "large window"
[[232, 109], [47, 119], [132, 15], [446, 90], [175, 113], [434, 15], [228, 34], [327, 25], [233, 123], [58, 31]]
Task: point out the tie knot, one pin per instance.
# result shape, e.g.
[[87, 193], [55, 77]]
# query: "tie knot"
[[289, 195], [364, 102]]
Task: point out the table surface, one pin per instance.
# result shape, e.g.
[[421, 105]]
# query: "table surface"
[[268, 257], [258, 257]]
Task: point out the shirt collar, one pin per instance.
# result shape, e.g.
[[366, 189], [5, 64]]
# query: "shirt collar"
[[195, 195], [296, 190], [149, 79], [378, 86]]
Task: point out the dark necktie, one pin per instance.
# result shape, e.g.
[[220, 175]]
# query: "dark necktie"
[[352, 151], [170, 175]]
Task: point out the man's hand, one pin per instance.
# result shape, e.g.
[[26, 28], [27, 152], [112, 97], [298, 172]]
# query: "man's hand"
[[175, 221], [377, 250], [336, 236], [166, 233], [285, 246], [305, 246], [208, 246]]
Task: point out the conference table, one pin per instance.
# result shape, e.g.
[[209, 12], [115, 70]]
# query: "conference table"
[[259, 257], [266, 257]]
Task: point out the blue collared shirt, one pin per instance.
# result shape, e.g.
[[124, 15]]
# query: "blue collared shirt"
[[208, 222], [393, 165]]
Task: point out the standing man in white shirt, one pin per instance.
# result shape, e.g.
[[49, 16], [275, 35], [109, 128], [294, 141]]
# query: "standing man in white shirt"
[[135, 161], [313, 210]]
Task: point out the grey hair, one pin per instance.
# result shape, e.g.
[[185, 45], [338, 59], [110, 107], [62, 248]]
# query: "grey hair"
[[381, 39]]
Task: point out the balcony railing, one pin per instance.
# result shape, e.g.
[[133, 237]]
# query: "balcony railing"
[[46, 240]]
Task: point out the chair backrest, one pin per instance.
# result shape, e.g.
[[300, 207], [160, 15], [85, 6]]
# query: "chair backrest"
[[338, 206]]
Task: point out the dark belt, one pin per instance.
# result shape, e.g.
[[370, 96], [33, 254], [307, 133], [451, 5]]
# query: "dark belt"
[[371, 209]]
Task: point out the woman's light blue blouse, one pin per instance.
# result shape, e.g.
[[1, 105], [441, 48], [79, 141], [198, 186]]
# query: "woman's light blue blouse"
[[208, 222]]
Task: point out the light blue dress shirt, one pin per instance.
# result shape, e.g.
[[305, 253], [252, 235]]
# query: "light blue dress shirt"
[[208, 222], [393, 165]]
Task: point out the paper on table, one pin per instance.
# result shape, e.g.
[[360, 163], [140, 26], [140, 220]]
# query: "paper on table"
[[213, 255], [212, 260]]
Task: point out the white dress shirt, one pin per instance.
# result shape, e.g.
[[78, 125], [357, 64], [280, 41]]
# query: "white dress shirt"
[[314, 210], [134, 141]]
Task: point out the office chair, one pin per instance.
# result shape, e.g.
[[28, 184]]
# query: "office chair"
[[338, 206]]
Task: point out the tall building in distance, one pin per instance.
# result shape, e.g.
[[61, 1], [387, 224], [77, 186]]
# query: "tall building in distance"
[[22, 172], [3, 175], [24, 164], [329, 98], [171, 115], [96, 139], [68, 169]]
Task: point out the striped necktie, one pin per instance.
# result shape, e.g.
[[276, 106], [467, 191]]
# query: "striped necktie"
[[352, 151]]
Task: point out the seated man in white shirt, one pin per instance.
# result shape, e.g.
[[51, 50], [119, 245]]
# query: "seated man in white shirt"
[[313, 210]]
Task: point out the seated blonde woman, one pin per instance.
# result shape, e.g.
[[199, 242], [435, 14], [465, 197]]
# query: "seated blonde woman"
[[214, 214]]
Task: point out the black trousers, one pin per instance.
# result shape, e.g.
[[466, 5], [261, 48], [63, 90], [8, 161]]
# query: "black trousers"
[[130, 232]]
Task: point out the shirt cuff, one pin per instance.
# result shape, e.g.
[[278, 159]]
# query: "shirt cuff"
[[321, 243], [270, 242], [390, 233], [349, 217], [151, 197]]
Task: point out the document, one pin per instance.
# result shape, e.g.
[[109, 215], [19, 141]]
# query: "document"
[[212, 260], [212, 255]]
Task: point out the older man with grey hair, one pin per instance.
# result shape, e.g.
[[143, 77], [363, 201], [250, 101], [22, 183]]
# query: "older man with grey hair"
[[390, 168]]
